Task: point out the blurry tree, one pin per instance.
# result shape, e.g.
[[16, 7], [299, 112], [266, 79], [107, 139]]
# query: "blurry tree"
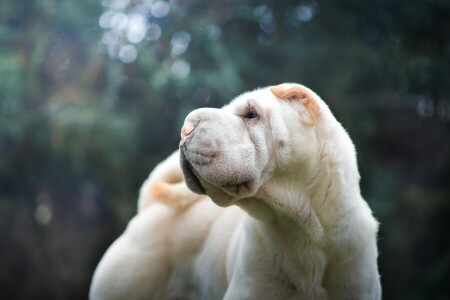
[[92, 96]]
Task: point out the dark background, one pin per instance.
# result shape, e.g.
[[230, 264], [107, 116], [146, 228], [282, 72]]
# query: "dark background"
[[93, 94]]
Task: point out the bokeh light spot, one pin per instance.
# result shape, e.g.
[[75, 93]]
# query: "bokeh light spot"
[[127, 53], [160, 9], [181, 69], [119, 21], [153, 32], [306, 11], [137, 26], [214, 32], [179, 43], [105, 19], [43, 213]]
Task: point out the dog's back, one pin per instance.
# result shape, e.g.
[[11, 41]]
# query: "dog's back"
[[156, 256]]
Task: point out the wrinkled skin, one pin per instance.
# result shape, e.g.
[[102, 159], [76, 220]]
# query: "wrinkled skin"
[[231, 153]]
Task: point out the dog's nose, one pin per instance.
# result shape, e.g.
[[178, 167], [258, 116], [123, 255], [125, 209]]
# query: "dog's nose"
[[189, 125], [186, 130]]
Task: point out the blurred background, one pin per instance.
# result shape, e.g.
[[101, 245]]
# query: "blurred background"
[[93, 94]]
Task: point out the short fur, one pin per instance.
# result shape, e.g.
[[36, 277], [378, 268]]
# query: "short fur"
[[286, 220]]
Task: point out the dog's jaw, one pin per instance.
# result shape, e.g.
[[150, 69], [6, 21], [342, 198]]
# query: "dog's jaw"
[[191, 179]]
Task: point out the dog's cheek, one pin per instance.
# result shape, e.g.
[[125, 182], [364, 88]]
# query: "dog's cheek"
[[281, 155], [264, 151], [278, 144]]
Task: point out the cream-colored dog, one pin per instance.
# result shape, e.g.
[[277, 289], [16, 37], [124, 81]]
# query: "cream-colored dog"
[[286, 220]]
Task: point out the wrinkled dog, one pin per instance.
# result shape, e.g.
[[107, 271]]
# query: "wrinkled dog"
[[286, 220]]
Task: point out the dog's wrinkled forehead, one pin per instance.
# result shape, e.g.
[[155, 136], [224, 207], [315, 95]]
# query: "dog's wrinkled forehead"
[[258, 96], [261, 98], [295, 94]]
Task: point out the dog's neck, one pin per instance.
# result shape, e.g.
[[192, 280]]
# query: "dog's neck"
[[303, 215]]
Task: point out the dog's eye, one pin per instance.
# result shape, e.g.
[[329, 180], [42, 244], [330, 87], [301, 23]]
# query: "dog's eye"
[[250, 115]]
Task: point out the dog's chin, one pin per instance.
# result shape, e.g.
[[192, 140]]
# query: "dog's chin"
[[239, 190], [226, 195]]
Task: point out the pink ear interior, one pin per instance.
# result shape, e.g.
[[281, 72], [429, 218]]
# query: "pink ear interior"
[[294, 91]]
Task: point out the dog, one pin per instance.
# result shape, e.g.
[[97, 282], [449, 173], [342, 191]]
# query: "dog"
[[262, 201]]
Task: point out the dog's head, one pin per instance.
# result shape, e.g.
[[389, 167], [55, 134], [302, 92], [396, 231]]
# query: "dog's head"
[[232, 152]]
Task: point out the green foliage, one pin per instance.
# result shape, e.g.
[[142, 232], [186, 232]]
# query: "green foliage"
[[92, 96]]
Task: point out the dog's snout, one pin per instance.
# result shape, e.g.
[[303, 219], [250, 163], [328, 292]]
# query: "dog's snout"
[[192, 121]]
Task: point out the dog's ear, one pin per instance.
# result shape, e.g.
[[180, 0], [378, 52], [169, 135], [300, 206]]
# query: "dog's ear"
[[294, 91]]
